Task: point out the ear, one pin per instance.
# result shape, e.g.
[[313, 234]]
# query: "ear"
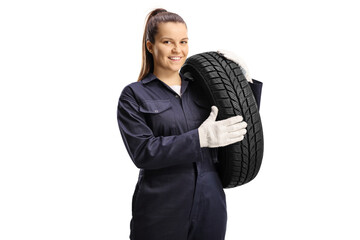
[[149, 46]]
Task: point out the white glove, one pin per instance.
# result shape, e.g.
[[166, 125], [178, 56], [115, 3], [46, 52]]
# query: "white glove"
[[233, 57], [221, 133]]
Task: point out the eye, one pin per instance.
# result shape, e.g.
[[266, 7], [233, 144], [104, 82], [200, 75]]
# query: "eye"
[[166, 42], [184, 42]]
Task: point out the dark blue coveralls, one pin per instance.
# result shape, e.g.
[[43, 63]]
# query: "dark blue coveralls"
[[178, 195]]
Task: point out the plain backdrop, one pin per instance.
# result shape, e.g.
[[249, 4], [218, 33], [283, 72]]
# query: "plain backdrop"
[[64, 170]]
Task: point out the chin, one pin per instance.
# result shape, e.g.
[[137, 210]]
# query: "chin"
[[175, 69]]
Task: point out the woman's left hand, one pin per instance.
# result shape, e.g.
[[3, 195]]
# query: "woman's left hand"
[[233, 57]]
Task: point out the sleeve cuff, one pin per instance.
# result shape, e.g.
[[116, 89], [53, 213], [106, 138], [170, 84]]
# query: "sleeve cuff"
[[195, 142]]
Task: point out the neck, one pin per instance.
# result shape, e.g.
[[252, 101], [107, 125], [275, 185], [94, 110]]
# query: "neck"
[[170, 78]]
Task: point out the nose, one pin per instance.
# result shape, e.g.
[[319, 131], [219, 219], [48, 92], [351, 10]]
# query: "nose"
[[176, 48]]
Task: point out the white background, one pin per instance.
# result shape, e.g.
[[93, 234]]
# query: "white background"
[[64, 171]]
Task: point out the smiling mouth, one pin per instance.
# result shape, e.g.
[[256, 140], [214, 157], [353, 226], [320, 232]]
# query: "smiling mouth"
[[175, 58]]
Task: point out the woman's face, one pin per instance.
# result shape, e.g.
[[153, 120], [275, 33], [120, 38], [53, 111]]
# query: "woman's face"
[[170, 48]]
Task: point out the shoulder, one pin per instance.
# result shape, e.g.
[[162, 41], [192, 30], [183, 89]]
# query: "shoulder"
[[256, 84], [131, 89]]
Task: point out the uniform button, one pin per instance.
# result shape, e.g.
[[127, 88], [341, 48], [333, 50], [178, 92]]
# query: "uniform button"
[[156, 111], [177, 96]]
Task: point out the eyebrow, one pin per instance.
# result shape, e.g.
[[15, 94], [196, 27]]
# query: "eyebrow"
[[173, 39]]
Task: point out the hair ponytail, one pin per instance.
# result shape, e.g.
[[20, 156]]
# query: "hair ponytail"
[[155, 17]]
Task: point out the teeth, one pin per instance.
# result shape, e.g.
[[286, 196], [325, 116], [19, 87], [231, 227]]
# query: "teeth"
[[175, 58]]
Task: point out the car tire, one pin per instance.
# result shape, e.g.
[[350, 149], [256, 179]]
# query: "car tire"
[[226, 86]]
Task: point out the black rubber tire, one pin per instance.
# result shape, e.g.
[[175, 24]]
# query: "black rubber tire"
[[226, 87]]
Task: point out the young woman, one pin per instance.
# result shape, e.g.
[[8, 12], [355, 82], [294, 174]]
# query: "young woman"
[[172, 135]]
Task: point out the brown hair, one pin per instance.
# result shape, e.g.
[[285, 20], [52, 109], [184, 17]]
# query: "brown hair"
[[155, 17]]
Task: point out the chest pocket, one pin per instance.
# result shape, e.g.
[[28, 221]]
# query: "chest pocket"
[[202, 109], [159, 116]]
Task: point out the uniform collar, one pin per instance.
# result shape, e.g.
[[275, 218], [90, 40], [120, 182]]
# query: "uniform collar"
[[150, 77]]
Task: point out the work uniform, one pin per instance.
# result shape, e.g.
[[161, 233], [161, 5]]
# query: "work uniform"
[[178, 195]]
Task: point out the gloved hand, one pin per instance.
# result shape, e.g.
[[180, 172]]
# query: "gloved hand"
[[221, 133], [233, 57]]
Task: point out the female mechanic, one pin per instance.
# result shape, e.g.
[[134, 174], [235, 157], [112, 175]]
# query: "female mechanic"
[[172, 135]]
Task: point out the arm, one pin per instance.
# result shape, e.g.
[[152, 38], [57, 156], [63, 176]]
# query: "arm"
[[146, 150], [256, 87]]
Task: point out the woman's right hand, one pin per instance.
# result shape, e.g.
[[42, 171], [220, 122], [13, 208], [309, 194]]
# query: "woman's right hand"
[[221, 133]]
